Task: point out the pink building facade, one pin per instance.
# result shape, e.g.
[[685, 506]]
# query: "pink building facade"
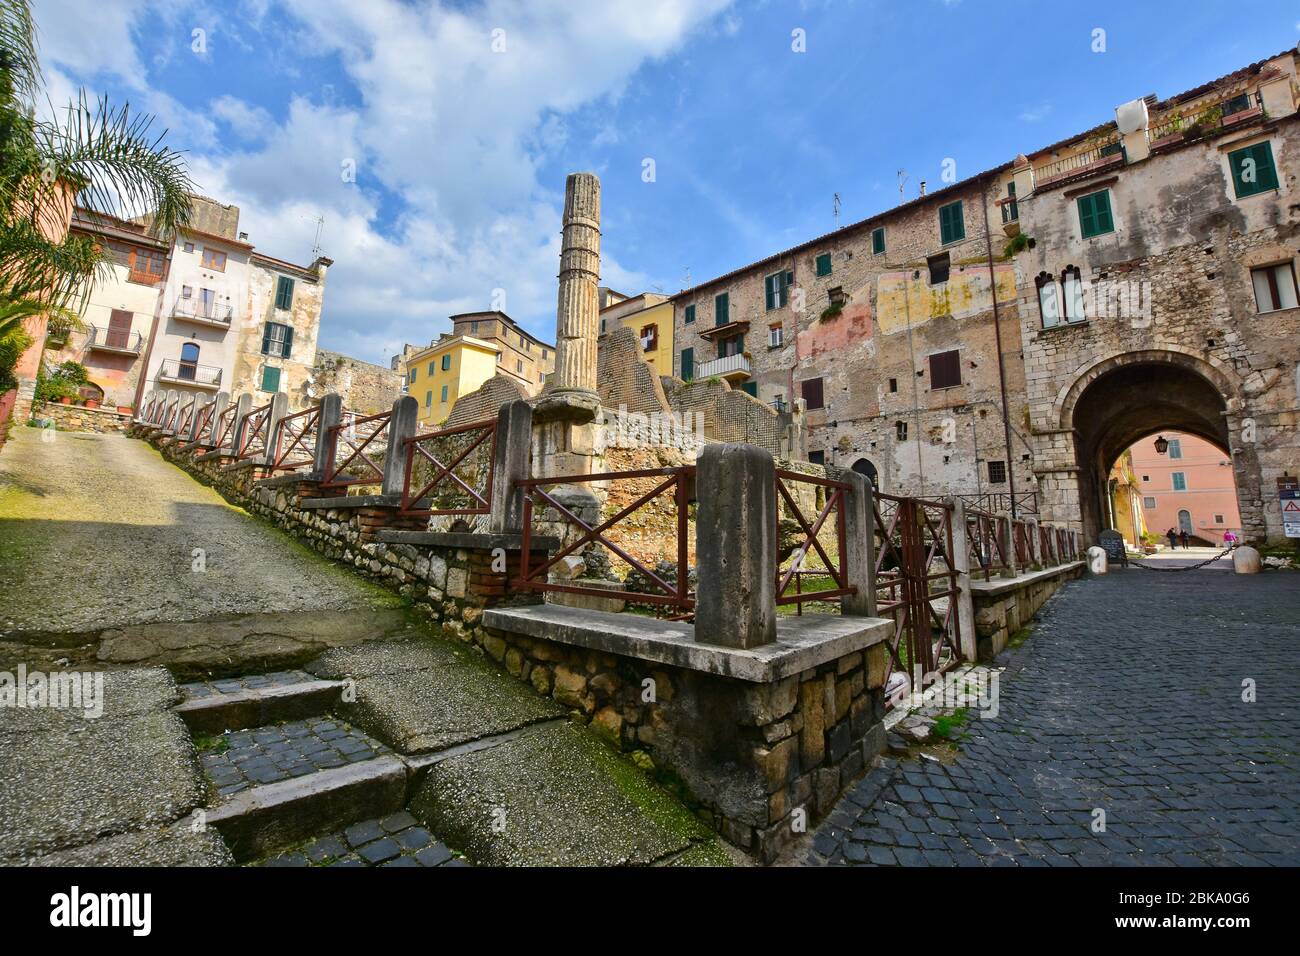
[[1190, 487]]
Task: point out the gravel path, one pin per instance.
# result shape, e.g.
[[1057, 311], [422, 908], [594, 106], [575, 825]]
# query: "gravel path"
[[98, 531]]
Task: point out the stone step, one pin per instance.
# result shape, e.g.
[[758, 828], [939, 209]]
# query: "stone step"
[[210, 708], [277, 785]]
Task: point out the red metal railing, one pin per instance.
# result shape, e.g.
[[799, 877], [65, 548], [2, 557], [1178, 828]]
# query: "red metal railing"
[[674, 594], [348, 441], [225, 429], [986, 536], [1047, 545], [255, 433], [294, 443], [916, 584], [204, 420], [1020, 544], [429, 450], [836, 569], [186, 417], [169, 413]]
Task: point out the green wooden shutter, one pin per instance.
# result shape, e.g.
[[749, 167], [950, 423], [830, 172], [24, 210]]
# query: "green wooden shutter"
[[288, 341], [284, 293], [1087, 217], [1265, 173], [721, 308], [749, 388], [952, 225], [769, 292], [877, 241], [824, 264], [266, 339], [690, 315], [688, 364], [270, 379], [1094, 214]]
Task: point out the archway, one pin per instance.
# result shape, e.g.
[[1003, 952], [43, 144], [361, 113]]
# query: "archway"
[[1116, 403], [864, 466]]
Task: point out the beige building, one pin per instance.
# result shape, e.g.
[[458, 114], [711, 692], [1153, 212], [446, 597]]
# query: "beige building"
[[521, 355], [649, 316]]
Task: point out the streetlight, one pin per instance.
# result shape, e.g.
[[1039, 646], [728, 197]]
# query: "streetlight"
[[1162, 445]]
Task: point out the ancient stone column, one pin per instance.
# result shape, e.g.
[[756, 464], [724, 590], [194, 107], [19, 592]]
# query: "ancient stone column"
[[577, 322]]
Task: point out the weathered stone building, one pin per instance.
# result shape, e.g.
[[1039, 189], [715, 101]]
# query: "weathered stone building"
[[365, 388], [1145, 279]]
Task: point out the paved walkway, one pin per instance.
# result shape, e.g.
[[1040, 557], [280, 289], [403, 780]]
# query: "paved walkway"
[[1125, 705]]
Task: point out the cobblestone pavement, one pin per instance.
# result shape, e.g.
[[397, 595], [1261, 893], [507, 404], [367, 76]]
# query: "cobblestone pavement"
[[1127, 702], [396, 840], [278, 752], [230, 685]]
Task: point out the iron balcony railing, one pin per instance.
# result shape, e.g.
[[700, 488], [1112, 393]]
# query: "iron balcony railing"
[[1100, 155], [190, 372], [204, 310], [727, 365], [1010, 212], [118, 340]]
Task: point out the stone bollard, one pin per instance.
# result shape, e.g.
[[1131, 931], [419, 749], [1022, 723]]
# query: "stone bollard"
[[279, 409], [331, 414], [243, 404], [208, 437], [859, 545], [1246, 560], [961, 564], [403, 424], [512, 461], [736, 546], [1097, 560]]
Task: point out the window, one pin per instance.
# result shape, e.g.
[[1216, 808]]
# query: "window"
[[1094, 214], [270, 379], [541, 376], [811, 390], [214, 259], [649, 338], [189, 354], [1175, 448], [690, 315], [945, 369], [519, 365], [1180, 481], [731, 345], [939, 267], [824, 264], [602, 326], [1238, 104], [878, 241], [277, 340], [545, 355], [284, 293], [528, 345], [900, 431], [118, 334], [1252, 170], [431, 368], [428, 399], [189, 247], [186, 292], [749, 388], [1049, 303], [952, 223], [775, 336], [817, 458], [997, 473], [776, 288], [473, 328], [146, 265], [446, 362], [1146, 477], [1274, 287], [722, 309], [837, 296], [1218, 519], [444, 394], [413, 373], [893, 384], [1072, 286], [1148, 502], [688, 364]]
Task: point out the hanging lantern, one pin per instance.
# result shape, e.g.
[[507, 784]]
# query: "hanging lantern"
[[1162, 445]]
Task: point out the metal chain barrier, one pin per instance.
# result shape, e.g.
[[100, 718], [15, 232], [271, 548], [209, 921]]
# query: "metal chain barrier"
[[1191, 567]]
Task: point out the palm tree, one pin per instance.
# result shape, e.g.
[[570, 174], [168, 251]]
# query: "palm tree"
[[102, 157]]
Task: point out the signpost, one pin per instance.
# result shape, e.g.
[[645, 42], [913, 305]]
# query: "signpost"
[[1288, 494]]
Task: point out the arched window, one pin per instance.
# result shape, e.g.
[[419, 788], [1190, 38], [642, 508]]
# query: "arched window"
[[189, 364], [1185, 521], [1072, 286], [863, 466], [1049, 302]]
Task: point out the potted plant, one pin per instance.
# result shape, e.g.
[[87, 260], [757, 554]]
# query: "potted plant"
[[125, 409], [92, 403]]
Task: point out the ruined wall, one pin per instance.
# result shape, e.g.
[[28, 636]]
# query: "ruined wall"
[[624, 377], [365, 388], [485, 401], [729, 414]]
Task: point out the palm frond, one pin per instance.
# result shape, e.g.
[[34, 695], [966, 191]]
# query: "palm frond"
[[13, 313], [18, 57], [58, 274]]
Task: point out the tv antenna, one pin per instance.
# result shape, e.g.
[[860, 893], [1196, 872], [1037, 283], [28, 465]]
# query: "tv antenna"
[[902, 180], [835, 203], [315, 246]]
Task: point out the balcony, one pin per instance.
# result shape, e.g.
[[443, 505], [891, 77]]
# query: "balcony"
[[1086, 162], [201, 312], [730, 368], [116, 341], [187, 373]]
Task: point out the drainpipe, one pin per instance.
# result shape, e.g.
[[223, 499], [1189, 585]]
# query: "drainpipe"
[[997, 338]]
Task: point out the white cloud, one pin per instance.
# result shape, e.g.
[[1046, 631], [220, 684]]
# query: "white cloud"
[[1036, 114], [458, 131]]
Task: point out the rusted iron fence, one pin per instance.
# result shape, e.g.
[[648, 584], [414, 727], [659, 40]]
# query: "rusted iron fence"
[[354, 450], [986, 536], [810, 536], [916, 585], [450, 471], [672, 593], [1021, 543], [255, 433], [293, 445]]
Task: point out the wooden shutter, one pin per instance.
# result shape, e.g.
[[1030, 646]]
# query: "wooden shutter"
[[119, 329], [266, 338], [270, 379], [284, 293], [690, 314], [945, 369], [769, 292], [688, 364], [877, 241], [824, 264], [722, 309], [1265, 177], [288, 341], [811, 389]]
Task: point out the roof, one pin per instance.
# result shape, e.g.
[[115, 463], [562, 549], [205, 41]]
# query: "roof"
[[498, 314], [443, 344]]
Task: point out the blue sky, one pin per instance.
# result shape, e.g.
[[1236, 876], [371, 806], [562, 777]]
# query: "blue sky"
[[462, 120]]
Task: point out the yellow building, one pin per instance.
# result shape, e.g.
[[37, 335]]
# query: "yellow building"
[[650, 317], [452, 366]]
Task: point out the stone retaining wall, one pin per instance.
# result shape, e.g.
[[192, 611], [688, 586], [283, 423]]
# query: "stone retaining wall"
[[78, 418], [999, 614]]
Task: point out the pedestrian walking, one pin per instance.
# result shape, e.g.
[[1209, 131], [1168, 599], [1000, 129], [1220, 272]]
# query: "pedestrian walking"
[[1173, 539], [1182, 537], [1229, 539]]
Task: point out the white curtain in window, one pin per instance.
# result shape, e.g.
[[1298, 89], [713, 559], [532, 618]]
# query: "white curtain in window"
[[1283, 278], [1073, 297], [1049, 303]]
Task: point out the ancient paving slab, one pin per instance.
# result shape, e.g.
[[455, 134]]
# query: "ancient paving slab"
[[428, 694], [124, 692], [395, 840], [154, 846], [1126, 699], [98, 531], [199, 690], [554, 796], [66, 781], [247, 758]]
